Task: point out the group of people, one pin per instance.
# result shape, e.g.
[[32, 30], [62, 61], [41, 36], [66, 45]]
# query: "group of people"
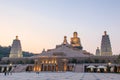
[[7, 73]]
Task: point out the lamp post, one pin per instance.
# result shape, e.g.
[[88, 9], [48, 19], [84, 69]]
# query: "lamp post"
[[109, 65], [11, 68]]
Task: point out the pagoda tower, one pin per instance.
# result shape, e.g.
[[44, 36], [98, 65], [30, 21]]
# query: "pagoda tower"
[[106, 49], [97, 51], [16, 50]]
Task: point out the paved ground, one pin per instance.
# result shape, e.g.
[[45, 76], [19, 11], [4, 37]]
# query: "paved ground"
[[60, 76]]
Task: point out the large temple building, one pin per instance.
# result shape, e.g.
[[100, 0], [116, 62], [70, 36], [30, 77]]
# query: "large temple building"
[[106, 49], [16, 50], [68, 56], [57, 59], [74, 49]]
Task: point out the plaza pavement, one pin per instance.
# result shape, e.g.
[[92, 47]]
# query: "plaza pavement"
[[60, 76]]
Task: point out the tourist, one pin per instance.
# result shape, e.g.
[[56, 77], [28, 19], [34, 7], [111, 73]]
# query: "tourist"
[[5, 73]]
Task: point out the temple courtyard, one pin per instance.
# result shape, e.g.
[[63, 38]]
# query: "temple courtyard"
[[60, 76]]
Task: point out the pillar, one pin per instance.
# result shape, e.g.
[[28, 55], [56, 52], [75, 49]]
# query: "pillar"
[[46, 67], [43, 68]]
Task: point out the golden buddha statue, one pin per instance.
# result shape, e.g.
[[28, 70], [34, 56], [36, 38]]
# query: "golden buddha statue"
[[75, 41]]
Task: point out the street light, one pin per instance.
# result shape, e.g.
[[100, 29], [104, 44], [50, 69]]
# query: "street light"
[[109, 64], [10, 64], [11, 68]]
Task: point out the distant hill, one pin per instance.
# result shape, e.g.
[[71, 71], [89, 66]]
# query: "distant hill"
[[27, 54], [5, 51]]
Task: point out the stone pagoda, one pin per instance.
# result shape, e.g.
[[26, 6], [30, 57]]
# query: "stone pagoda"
[[97, 51], [65, 41], [106, 49], [16, 50]]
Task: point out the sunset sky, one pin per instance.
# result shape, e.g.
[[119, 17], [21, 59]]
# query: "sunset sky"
[[44, 23]]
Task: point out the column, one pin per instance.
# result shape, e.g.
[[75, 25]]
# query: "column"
[[2, 69], [54, 67], [43, 67], [51, 67], [46, 67]]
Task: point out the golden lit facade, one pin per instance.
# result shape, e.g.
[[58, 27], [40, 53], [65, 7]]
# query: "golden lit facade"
[[37, 66], [50, 64]]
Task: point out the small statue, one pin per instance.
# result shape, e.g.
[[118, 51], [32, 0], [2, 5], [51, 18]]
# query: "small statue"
[[65, 40]]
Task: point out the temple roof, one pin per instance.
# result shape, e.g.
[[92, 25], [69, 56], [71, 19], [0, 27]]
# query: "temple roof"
[[64, 51]]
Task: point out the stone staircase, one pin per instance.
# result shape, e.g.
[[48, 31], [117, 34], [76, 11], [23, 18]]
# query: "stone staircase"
[[20, 68]]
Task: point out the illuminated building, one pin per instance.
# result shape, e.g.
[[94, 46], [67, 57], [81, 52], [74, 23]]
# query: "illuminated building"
[[16, 50]]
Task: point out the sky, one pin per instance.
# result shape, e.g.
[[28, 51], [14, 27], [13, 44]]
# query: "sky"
[[44, 23]]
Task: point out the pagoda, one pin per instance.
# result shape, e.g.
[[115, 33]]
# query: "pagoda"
[[16, 50], [106, 49]]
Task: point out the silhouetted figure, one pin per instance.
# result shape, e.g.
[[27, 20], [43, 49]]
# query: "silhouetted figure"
[[5, 73]]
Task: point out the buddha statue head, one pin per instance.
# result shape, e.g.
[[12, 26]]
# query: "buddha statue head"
[[75, 34]]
